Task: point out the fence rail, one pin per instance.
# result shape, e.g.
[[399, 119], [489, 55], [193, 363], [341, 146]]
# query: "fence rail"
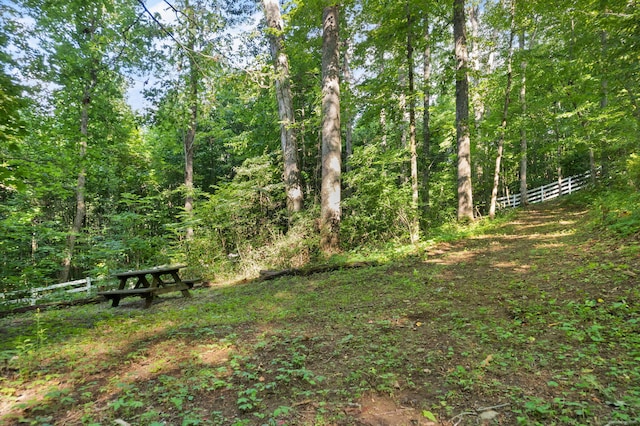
[[32, 295], [553, 190]]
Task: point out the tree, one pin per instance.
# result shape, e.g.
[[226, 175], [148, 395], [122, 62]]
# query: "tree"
[[82, 51], [288, 137], [192, 123], [523, 128], [413, 150], [330, 210], [81, 74], [426, 125], [465, 191], [505, 112]]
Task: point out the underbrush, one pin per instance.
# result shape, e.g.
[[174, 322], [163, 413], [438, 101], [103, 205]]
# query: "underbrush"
[[618, 211]]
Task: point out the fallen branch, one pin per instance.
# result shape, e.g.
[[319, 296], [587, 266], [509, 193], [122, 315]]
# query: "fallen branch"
[[494, 407], [460, 416]]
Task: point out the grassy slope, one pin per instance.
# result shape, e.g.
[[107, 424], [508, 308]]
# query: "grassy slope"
[[535, 322]]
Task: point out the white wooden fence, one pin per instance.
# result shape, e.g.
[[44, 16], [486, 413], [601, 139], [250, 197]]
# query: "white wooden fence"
[[32, 295], [547, 192]]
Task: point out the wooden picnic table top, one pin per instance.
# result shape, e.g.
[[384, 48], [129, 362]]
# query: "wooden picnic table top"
[[149, 288], [156, 270]]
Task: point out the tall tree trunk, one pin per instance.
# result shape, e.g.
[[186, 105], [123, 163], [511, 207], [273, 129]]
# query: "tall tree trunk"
[[523, 129], [559, 138], [288, 134], [426, 130], [477, 96], [505, 113], [413, 149], [465, 192], [348, 81], [503, 124], [404, 136], [330, 208], [81, 207], [190, 136]]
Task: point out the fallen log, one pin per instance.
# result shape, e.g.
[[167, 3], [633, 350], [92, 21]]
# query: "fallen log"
[[45, 306], [270, 274]]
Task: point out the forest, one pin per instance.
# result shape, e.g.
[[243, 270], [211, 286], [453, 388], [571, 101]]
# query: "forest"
[[236, 136], [335, 173]]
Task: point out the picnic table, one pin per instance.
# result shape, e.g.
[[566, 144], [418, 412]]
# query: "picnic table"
[[149, 283]]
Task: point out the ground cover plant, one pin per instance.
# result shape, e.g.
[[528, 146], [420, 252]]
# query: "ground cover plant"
[[533, 321]]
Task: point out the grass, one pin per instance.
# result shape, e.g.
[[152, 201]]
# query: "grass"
[[533, 320]]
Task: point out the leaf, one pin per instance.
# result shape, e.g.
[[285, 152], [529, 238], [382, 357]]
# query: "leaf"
[[486, 361], [429, 415]]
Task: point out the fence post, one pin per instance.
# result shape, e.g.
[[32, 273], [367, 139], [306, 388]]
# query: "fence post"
[[560, 194], [88, 285], [570, 177]]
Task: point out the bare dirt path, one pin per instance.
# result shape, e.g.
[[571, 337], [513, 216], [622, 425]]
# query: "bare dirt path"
[[514, 322]]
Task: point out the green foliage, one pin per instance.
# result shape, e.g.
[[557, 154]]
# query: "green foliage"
[[618, 209], [633, 171], [244, 227], [12, 105], [377, 209], [245, 209]]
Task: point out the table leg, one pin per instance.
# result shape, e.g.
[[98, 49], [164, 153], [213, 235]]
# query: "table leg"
[[148, 300], [142, 282], [115, 301], [123, 283]]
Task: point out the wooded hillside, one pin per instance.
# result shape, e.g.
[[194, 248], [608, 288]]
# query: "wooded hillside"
[[273, 134]]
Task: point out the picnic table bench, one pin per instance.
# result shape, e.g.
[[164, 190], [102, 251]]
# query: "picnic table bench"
[[149, 283]]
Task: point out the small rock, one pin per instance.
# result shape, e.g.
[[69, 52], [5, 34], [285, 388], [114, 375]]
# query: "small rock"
[[488, 415]]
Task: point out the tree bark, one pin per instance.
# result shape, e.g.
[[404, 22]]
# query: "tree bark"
[[426, 130], [288, 134], [330, 207], [348, 80], [523, 129], [190, 137], [477, 97], [81, 207], [465, 192], [505, 113], [413, 150]]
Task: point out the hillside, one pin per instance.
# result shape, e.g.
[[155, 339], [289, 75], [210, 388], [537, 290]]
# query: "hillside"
[[535, 322]]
